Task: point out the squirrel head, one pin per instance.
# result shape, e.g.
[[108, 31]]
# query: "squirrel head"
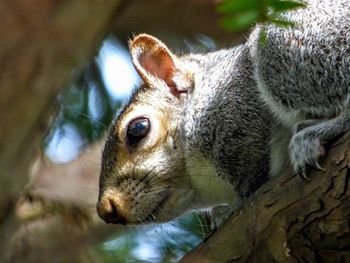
[[143, 175]]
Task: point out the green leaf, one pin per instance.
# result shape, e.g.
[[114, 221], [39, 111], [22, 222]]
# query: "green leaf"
[[281, 22], [263, 36], [281, 5], [236, 6], [241, 21], [243, 13]]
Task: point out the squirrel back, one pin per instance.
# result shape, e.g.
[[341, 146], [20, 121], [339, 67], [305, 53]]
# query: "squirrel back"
[[304, 71], [303, 75]]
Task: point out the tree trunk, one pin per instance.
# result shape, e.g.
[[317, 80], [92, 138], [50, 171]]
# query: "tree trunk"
[[41, 43], [289, 219], [167, 19]]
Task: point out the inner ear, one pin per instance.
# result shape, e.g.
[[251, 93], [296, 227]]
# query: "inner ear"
[[159, 64], [152, 58]]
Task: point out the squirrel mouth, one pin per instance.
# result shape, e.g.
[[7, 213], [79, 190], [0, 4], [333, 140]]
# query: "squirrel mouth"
[[155, 215], [136, 205]]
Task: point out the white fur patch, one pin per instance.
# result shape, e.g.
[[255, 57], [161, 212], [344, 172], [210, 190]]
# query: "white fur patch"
[[210, 189]]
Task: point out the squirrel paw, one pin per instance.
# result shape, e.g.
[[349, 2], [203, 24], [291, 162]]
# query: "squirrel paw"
[[304, 151]]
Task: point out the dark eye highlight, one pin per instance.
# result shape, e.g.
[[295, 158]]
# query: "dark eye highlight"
[[138, 130]]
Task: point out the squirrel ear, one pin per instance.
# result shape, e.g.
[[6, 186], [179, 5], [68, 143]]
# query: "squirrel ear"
[[152, 59]]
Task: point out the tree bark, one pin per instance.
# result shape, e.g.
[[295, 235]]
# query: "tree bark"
[[289, 219]]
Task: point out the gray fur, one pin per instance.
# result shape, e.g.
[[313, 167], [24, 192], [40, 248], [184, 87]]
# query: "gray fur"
[[300, 73], [226, 120], [249, 102], [304, 73]]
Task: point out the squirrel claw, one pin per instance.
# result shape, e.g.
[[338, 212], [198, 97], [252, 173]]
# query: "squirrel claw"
[[318, 167], [302, 171], [302, 174], [304, 151]]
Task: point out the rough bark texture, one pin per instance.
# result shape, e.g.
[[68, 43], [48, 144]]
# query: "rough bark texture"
[[289, 219]]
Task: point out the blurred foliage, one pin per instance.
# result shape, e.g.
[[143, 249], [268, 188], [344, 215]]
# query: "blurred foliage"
[[241, 14], [86, 105], [164, 243]]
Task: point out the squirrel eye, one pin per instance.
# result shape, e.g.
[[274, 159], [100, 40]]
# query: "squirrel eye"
[[137, 130]]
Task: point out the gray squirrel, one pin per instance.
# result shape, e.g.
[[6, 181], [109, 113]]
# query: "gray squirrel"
[[208, 129]]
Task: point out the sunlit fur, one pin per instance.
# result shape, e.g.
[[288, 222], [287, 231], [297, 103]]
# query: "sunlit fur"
[[148, 164], [222, 121], [303, 73], [177, 169]]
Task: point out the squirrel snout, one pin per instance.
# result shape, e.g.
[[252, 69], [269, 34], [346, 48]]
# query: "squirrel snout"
[[131, 202], [107, 209]]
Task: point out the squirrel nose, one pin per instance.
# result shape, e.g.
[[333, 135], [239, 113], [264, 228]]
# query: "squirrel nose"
[[107, 209]]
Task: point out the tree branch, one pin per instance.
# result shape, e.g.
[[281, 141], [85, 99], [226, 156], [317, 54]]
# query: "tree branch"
[[183, 18], [289, 219]]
